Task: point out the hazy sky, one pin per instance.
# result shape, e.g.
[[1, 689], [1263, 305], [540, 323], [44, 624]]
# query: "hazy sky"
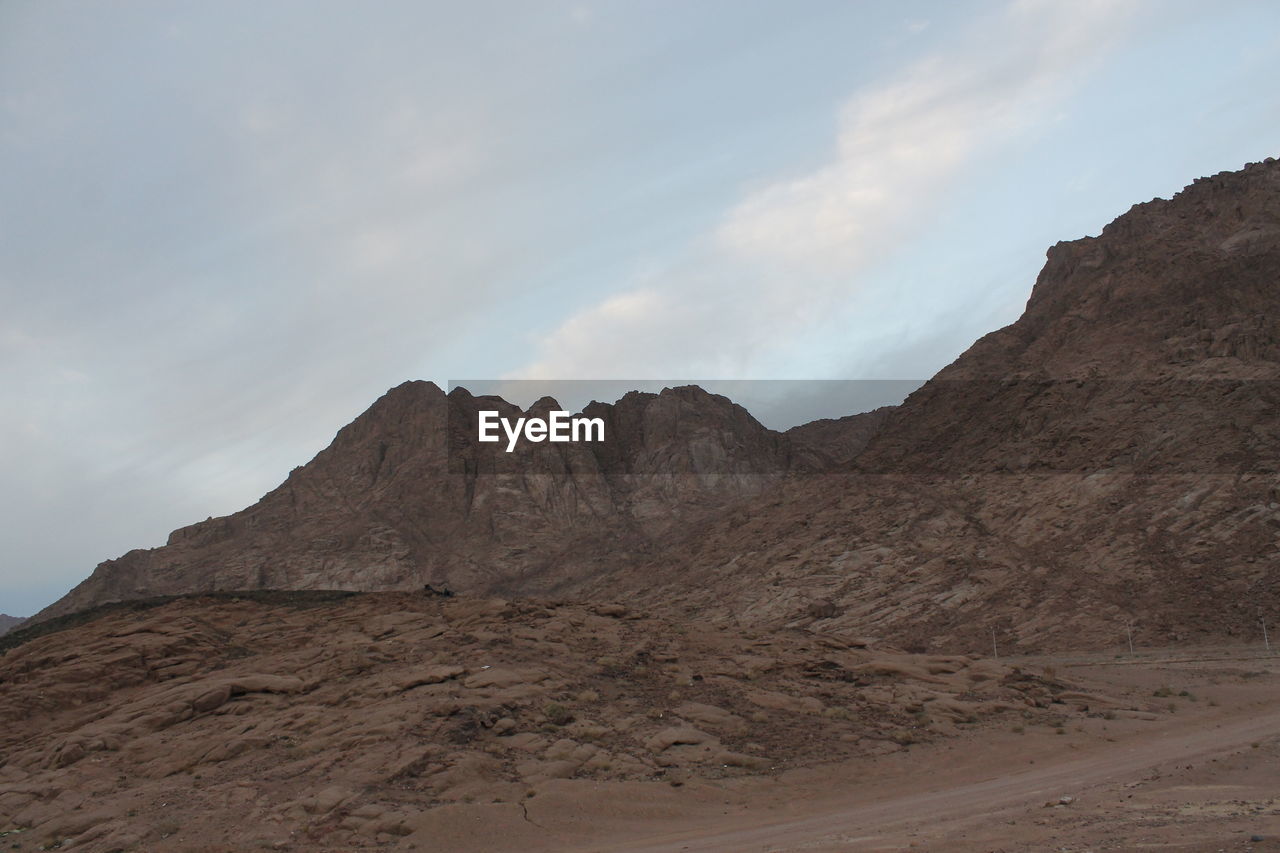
[[225, 228]]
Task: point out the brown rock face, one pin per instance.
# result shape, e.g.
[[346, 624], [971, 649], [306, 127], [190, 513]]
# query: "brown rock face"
[[1108, 460], [832, 443]]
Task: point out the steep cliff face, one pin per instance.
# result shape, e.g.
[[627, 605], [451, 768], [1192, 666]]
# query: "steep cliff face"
[[1107, 461]]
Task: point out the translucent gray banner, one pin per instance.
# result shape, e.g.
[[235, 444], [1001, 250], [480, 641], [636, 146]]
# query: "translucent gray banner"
[[800, 427]]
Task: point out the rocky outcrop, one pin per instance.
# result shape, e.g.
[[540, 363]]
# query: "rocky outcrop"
[[341, 722]]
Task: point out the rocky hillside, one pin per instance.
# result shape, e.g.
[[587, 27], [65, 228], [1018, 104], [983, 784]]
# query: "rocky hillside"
[[1108, 462], [8, 623], [333, 721]]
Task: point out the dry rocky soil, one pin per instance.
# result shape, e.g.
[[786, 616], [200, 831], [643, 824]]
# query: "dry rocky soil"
[[322, 721]]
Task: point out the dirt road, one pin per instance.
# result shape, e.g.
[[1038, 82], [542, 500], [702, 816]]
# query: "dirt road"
[[1200, 773], [895, 821], [1205, 778]]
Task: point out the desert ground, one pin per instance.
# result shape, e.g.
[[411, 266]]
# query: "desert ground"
[[218, 723], [1205, 777]]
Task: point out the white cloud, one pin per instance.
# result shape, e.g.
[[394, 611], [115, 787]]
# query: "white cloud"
[[782, 259]]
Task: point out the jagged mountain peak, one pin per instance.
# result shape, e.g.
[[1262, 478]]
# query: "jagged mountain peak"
[[406, 495]]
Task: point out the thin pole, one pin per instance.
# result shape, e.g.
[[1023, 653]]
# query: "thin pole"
[[1128, 629], [995, 653], [1265, 639]]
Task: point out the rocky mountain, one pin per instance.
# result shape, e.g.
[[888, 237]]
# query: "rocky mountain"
[[406, 496], [8, 623], [1105, 464], [1108, 463]]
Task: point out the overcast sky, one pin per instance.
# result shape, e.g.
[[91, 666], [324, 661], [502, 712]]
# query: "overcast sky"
[[226, 228]]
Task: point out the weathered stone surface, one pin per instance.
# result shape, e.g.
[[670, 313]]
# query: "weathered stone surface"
[[292, 720]]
